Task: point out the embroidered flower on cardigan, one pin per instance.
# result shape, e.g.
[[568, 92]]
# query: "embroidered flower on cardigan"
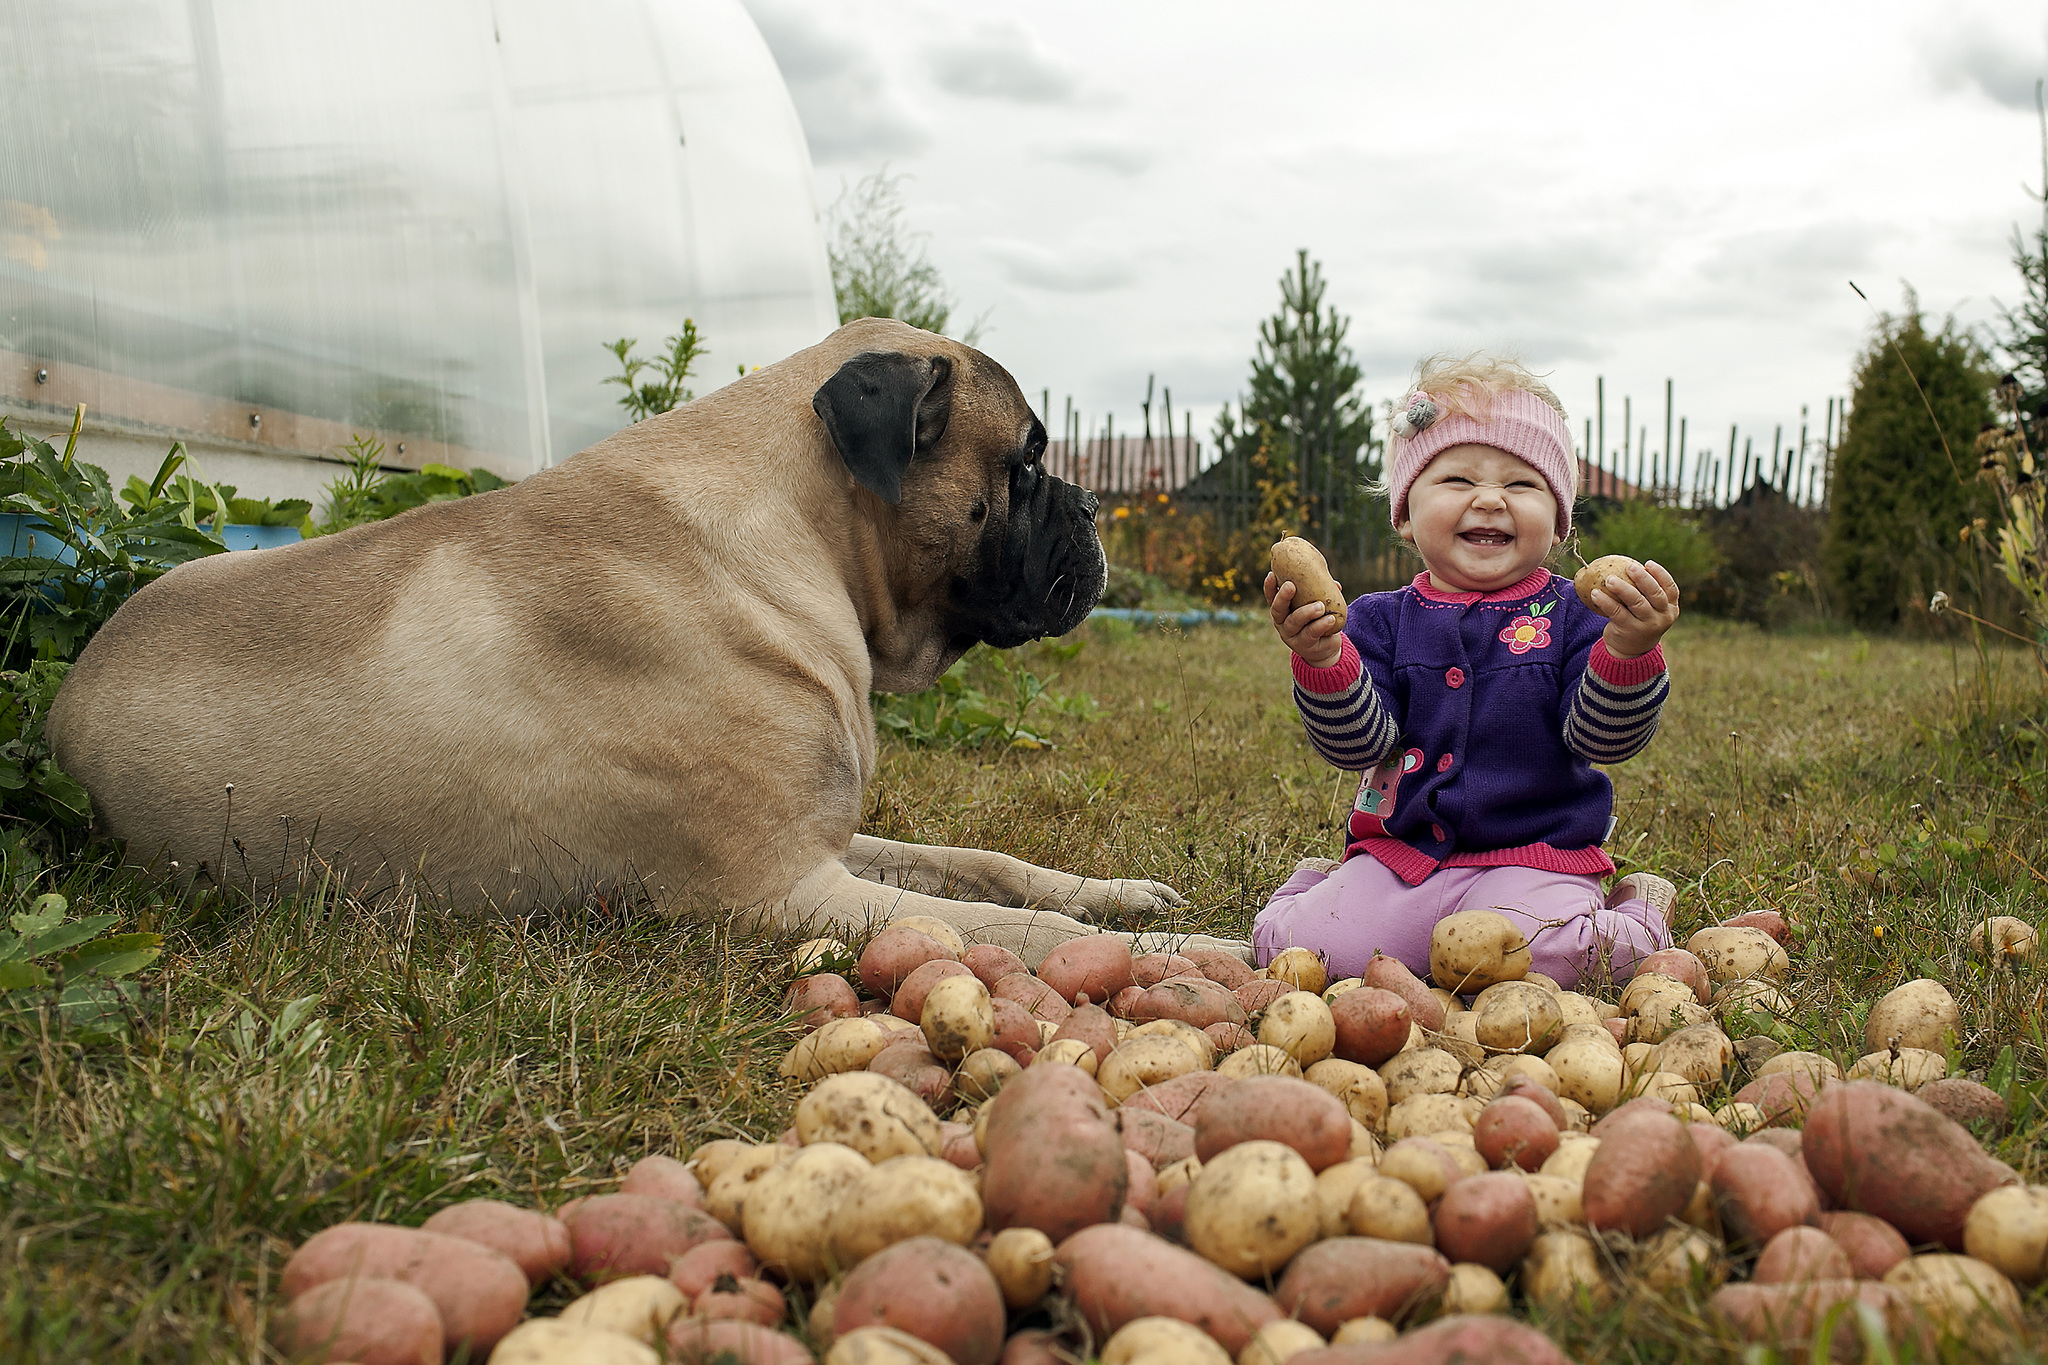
[[1525, 633]]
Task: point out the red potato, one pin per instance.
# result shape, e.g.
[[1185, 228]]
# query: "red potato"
[[1149, 969], [1155, 1137], [1192, 1000], [1169, 1216], [697, 1269], [1036, 1346], [479, 1293], [1281, 1109], [1255, 995], [1626, 1113], [1515, 1131], [910, 1064], [1144, 1184], [1220, 967], [1462, 1339], [907, 1003], [1115, 1274], [1340, 1278], [1680, 965], [1872, 1245], [1034, 995], [1881, 1151], [1712, 1142], [1097, 966], [1760, 1192], [1788, 1315], [741, 1300], [665, 1178], [1016, 1031], [1977, 1107], [536, 1243], [1801, 1253], [893, 955], [1228, 1038], [1093, 1026], [616, 1235], [1523, 1087], [1055, 1161], [1785, 1096], [1644, 1173], [367, 1322], [937, 1292], [722, 1341], [1372, 1025], [1391, 974], [820, 999], [992, 963], [1124, 1001], [1487, 1219], [957, 1146], [1770, 921], [1788, 1141], [1131, 1218], [1183, 1098]]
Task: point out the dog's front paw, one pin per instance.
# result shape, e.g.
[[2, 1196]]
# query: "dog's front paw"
[[1163, 941], [1123, 900]]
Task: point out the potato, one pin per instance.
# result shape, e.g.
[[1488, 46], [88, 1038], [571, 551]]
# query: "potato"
[[1561, 1267], [373, 1322], [641, 1307], [1158, 1340], [1788, 1315], [1578, 1119], [1276, 1341], [932, 1289], [479, 1293], [957, 1016], [1301, 969], [1334, 1187], [1067, 1052], [1021, 1261], [1667, 1086], [1426, 1115], [1425, 1166], [1643, 1174], [736, 1299], [550, 1341], [2007, 1229], [1595, 575], [1801, 1253], [1141, 1062], [728, 1192], [982, 1074], [1782, 1098], [1918, 1014], [1872, 1245], [1116, 1274], [1387, 1209], [840, 1046], [1760, 1191], [1487, 1219], [1701, 1054], [1681, 1258], [1365, 1330], [787, 1217], [711, 1159], [1911, 1069], [902, 1198], [1474, 1289], [1977, 1107], [1751, 997], [1668, 1018], [1055, 1161], [1193, 1000], [1097, 966], [1532, 1079], [1460, 1039], [1474, 949], [1092, 1025], [1391, 974], [1369, 1025], [1422, 1071], [884, 1346], [1600, 1034], [1260, 1059], [818, 1000], [1575, 1008], [1302, 564], [1182, 1172], [1681, 966], [536, 1243], [1961, 1295], [816, 955], [2009, 938], [1588, 1073], [1161, 1141], [1881, 1151], [1355, 1277], [1738, 954], [1197, 1040], [1515, 1131], [1462, 1151], [1516, 1016], [1573, 1155], [909, 1063], [1183, 1097], [1300, 1025], [908, 1001], [1252, 1207], [1558, 1204], [990, 963], [1038, 999], [894, 954], [1358, 1088], [697, 1269], [870, 1113]]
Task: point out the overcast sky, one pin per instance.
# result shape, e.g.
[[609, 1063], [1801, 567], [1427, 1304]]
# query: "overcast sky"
[[1636, 191]]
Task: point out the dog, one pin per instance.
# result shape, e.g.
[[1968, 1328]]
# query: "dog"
[[646, 669]]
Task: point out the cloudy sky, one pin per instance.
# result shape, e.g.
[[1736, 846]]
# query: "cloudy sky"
[[1639, 192]]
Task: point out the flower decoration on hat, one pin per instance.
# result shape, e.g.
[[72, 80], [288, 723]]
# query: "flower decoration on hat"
[[1416, 418]]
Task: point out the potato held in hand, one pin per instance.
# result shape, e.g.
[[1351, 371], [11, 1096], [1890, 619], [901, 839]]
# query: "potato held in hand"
[[1302, 564], [1596, 574]]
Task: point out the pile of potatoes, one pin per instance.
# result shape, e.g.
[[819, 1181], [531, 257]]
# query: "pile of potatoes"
[[1173, 1158]]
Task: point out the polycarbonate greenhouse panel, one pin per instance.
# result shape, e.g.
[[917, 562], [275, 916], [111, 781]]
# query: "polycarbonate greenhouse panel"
[[417, 218]]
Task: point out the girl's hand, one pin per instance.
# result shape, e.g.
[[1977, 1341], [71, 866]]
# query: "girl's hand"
[[1310, 631], [1638, 608]]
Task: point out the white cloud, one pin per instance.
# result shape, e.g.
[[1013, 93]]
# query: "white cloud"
[[853, 110], [1117, 158], [1998, 66], [1000, 62], [1074, 271]]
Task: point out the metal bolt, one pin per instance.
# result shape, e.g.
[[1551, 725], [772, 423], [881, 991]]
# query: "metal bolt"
[[255, 420], [401, 447], [42, 376]]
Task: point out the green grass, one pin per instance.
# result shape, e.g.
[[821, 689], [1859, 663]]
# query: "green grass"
[[299, 1065]]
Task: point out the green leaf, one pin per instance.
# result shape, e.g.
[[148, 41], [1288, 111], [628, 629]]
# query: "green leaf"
[[22, 976], [115, 955], [65, 936]]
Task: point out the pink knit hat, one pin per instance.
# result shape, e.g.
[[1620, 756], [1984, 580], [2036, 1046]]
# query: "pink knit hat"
[[1518, 422]]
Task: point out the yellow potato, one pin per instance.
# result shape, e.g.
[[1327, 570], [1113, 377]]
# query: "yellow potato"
[[1665, 1085], [1575, 1008], [1260, 1059], [1738, 954], [818, 955], [958, 1018], [1162, 1340], [1595, 1033], [1596, 574], [1300, 1025], [1474, 949], [1589, 1072], [932, 927], [710, 1160], [842, 1045], [1301, 969], [1546, 982], [1464, 1151], [1358, 1087], [1337, 988], [1654, 991], [1911, 1069], [872, 1114], [1178, 1174], [1517, 1016], [1918, 1014], [2009, 937], [1655, 1025], [2008, 1230], [1334, 1187], [1671, 1259], [904, 1197], [1276, 1341], [1252, 1207], [1069, 1052], [1424, 1071], [1203, 1046], [1364, 1145], [1418, 1169], [640, 1307], [1367, 1330], [1758, 997], [983, 1073], [1740, 1117], [1139, 1062], [1389, 1209], [788, 1215], [1561, 1266], [1427, 1115], [1961, 1295], [551, 1341], [1302, 564], [1460, 1038], [1803, 1063], [726, 1196], [1021, 1261], [1559, 1202], [1700, 1053], [884, 1346], [1474, 1289], [1574, 1152]]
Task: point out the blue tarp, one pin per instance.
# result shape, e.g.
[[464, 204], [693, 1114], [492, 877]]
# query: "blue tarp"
[[1138, 616]]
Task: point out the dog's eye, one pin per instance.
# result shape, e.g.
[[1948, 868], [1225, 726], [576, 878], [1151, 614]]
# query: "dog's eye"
[[979, 510]]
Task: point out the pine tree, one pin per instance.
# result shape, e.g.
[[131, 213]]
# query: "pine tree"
[[1899, 497], [1306, 412], [880, 268]]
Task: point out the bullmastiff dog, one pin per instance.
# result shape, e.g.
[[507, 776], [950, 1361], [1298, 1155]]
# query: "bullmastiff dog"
[[644, 670]]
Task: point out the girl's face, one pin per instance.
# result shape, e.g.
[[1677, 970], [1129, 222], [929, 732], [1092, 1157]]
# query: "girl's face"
[[1483, 519]]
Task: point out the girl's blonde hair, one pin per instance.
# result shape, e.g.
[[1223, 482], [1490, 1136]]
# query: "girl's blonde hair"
[[1466, 385]]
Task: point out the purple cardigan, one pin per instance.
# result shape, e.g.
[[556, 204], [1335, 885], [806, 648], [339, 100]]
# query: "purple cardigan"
[[1476, 720]]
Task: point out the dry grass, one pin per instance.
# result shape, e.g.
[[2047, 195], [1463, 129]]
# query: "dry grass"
[[304, 1064]]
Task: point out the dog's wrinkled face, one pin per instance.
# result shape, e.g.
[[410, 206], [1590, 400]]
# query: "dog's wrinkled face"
[[986, 545]]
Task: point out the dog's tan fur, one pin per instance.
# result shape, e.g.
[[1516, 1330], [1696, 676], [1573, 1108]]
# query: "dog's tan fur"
[[647, 666]]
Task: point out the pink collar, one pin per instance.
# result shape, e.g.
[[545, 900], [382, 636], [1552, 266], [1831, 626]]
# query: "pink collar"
[[1532, 584]]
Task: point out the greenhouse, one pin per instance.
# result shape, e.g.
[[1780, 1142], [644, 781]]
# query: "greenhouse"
[[266, 229]]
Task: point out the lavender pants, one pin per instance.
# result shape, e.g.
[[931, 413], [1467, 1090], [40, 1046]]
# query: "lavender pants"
[[1362, 908]]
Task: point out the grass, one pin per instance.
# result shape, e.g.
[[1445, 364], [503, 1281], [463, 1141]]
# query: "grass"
[[297, 1065]]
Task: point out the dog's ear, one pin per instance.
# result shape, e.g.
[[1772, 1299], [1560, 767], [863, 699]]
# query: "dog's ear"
[[883, 409]]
